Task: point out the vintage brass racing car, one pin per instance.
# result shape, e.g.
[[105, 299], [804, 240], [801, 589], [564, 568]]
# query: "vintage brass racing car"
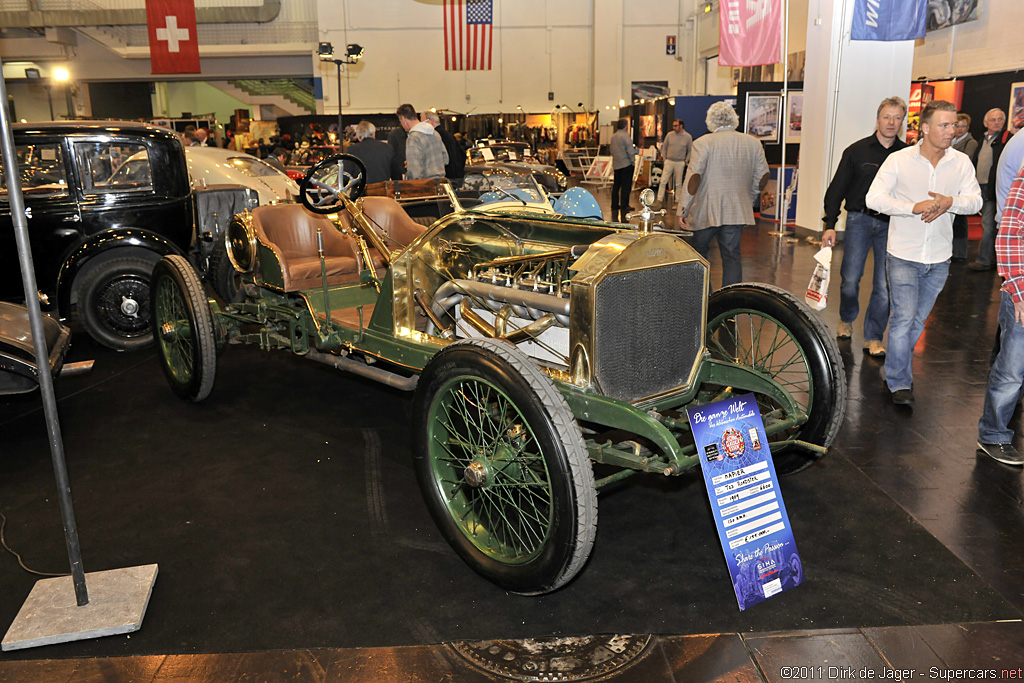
[[535, 342]]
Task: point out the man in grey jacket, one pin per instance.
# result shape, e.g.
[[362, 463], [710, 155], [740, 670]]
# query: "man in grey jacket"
[[425, 155], [727, 172], [623, 154]]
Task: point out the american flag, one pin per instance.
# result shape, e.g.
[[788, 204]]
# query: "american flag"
[[468, 34]]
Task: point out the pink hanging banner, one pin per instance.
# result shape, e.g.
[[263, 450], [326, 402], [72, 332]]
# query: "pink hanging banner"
[[750, 32]]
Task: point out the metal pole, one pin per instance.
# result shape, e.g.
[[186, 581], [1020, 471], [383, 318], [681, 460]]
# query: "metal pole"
[[341, 126], [35, 316], [49, 99], [781, 208]]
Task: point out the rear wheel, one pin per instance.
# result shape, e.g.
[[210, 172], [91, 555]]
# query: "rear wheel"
[[503, 468], [184, 329], [768, 329], [113, 301]]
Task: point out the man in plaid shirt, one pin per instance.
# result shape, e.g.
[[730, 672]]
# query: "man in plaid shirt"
[[1007, 375]]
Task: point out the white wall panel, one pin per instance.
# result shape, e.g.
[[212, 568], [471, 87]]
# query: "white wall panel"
[[644, 57], [989, 45], [404, 57]]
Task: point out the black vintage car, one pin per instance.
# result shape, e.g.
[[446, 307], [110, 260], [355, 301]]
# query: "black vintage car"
[[105, 201]]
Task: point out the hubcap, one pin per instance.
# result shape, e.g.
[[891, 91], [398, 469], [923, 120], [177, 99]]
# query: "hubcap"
[[475, 475], [129, 307]]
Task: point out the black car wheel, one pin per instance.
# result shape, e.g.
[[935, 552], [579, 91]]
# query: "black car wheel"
[[221, 273], [113, 301], [770, 330], [502, 466], [184, 329]]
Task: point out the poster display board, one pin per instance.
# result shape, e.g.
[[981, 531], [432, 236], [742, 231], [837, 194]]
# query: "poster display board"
[[770, 193], [746, 502]]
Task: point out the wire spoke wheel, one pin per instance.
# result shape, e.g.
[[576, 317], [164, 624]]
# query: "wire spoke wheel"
[[488, 466], [184, 329], [757, 340], [769, 330], [502, 466]]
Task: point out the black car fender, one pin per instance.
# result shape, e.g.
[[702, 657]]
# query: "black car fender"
[[126, 242]]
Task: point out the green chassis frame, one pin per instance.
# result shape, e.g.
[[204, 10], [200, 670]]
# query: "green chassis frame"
[[300, 322]]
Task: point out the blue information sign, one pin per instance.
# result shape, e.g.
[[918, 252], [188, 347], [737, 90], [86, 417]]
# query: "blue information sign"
[[745, 498]]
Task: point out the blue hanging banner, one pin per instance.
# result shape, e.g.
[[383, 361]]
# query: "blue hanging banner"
[[753, 526], [889, 19]]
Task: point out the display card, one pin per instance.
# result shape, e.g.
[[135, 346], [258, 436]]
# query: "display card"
[[745, 499]]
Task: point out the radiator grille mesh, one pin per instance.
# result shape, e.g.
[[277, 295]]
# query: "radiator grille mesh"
[[649, 329]]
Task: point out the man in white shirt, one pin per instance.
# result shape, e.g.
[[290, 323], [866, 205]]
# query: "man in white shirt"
[[920, 188], [675, 150]]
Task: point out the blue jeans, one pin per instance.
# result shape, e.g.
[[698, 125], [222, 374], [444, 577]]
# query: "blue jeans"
[[864, 233], [728, 238], [987, 249], [1005, 378], [913, 289]]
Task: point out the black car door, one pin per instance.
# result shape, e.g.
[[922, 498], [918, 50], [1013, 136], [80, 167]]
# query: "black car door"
[[54, 221]]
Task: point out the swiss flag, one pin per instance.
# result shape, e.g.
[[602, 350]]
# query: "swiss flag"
[[173, 48]]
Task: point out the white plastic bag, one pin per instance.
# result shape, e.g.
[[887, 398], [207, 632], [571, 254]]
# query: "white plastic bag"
[[817, 288]]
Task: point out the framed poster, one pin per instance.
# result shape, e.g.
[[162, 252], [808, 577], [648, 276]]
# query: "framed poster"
[[763, 112], [647, 127], [1016, 108], [796, 116], [601, 167], [943, 13]]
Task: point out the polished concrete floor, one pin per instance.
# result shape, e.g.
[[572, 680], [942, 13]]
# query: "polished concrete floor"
[[923, 460]]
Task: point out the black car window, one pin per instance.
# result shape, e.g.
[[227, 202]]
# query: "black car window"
[[41, 168], [113, 166]]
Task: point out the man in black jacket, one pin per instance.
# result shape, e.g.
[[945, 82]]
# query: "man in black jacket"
[[986, 161], [866, 230], [375, 154]]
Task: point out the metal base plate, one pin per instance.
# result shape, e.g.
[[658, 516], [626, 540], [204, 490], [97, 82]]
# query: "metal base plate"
[[117, 603]]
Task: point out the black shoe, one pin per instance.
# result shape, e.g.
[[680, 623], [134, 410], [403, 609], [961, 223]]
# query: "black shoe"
[[903, 397], [1003, 452], [979, 266]]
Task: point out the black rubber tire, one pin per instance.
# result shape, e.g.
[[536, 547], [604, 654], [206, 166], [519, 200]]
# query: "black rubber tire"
[[222, 276], [188, 357], [822, 363], [112, 295], [570, 512]]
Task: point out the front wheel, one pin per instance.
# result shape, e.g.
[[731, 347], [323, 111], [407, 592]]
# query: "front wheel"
[[113, 301], [503, 468], [768, 329], [183, 326]]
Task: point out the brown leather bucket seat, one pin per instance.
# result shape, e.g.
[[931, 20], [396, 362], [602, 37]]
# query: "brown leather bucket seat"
[[290, 232]]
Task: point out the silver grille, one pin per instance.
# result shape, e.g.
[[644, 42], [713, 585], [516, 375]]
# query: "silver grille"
[[649, 329]]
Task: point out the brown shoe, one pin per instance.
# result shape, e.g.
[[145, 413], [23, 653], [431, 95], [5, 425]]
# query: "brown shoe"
[[874, 348], [844, 331]]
